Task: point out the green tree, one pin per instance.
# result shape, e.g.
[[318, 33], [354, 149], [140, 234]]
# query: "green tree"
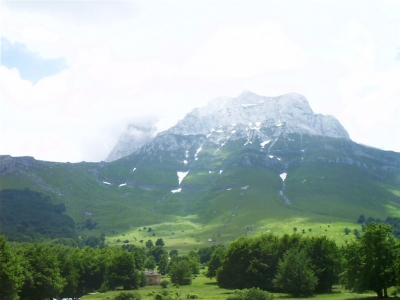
[[149, 244], [43, 277], [361, 219], [92, 266], [371, 261], [11, 273], [295, 275], [250, 262], [205, 253], [398, 265], [181, 273], [139, 253], [215, 261], [150, 263], [70, 269], [160, 242], [194, 260], [120, 270], [156, 252], [163, 264], [325, 261]]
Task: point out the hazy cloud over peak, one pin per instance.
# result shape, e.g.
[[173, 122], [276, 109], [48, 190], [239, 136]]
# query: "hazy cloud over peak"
[[122, 60]]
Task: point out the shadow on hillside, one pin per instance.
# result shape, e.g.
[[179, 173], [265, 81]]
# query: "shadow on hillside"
[[210, 283]]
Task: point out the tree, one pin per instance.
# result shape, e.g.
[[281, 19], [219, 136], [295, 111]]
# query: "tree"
[[398, 265], [325, 261], [43, 278], [373, 265], [181, 273], [156, 252], [193, 258], [150, 263], [92, 264], [295, 275], [69, 269], [205, 254], [149, 244], [250, 262], [160, 242], [163, 264], [215, 261], [361, 219], [120, 270], [11, 273]]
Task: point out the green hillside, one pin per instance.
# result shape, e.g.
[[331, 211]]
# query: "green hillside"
[[229, 191]]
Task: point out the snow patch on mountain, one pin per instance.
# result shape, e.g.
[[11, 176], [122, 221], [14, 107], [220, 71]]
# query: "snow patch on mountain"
[[181, 176], [264, 143]]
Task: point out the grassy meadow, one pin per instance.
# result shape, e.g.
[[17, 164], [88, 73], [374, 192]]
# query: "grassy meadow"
[[206, 288]]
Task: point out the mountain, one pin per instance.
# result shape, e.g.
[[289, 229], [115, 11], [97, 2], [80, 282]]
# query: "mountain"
[[266, 116], [135, 136], [238, 166]]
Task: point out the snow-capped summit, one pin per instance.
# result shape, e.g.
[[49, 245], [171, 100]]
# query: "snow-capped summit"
[[290, 111], [249, 116]]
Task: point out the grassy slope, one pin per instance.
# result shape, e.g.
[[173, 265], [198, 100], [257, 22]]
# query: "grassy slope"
[[325, 197]]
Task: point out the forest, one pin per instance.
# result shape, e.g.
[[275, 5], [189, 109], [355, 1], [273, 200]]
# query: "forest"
[[294, 264]]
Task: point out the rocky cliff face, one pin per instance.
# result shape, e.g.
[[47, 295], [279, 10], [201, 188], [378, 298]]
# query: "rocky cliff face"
[[289, 113], [249, 116]]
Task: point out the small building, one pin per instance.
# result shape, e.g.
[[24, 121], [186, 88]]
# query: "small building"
[[152, 277]]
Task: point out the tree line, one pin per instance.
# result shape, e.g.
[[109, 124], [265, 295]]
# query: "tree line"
[[29, 216], [292, 264], [45, 270], [302, 266]]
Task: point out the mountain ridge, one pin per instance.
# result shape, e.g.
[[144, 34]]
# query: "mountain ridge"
[[218, 180], [261, 117]]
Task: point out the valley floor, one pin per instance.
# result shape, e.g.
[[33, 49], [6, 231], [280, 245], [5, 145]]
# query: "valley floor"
[[206, 288]]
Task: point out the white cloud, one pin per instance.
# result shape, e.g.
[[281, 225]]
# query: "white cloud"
[[245, 51], [146, 59]]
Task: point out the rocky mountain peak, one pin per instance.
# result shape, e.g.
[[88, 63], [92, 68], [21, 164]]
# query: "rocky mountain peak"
[[292, 111], [248, 116]]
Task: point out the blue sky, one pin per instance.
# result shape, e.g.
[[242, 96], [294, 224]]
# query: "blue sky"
[[74, 74], [29, 64]]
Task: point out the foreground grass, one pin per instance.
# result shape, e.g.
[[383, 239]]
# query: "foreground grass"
[[206, 288]]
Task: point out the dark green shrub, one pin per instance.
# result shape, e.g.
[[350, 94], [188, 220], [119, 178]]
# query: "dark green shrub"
[[164, 283], [167, 295], [251, 294], [128, 296]]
